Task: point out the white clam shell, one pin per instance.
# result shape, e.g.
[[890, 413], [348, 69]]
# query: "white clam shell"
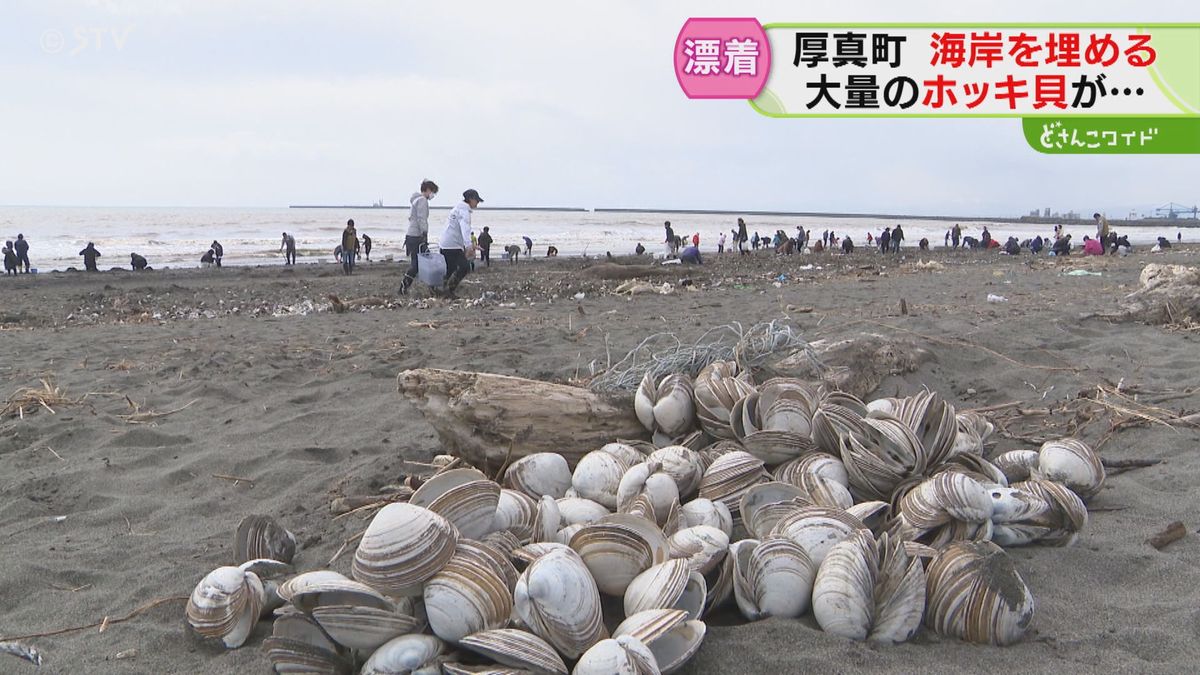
[[465, 497], [619, 547], [547, 520], [648, 479], [1017, 464], [816, 529], [624, 655], [598, 475], [310, 590], [1038, 511], [515, 512], [580, 511], [947, 497], [702, 546], [468, 595], [299, 645], [974, 593], [773, 577], [225, 605], [539, 474], [402, 548], [671, 637], [517, 649], [682, 464], [864, 590], [1071, 462], [362, 627], [557, 599], [667, 585], [403, 655], [701, 511]]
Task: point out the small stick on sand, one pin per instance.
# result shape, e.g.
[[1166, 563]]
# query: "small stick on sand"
[[106, 621], [235, 479], [60, 457], [342, 548], [1173, 532], [1128, 463]]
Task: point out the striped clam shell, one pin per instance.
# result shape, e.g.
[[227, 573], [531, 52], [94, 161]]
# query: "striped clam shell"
[[868, 590], [667, 585], [517, 649], [974, 593], [225, 605], [617, 548], [728, 478], [469, 594], [263, 537], [465, 497], [672, 639], [405, 654], [538, 474], [1073, 463], [1045, 512], [715, 391], [772, 577], [403, 547], [816, 529], [299, 645], [557, 599]]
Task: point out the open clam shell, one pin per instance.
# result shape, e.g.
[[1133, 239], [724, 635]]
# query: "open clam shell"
[[557, 599], [682, 464], [261, 536], [515, 512], [728, 478], [365, 628], [974, 593], [883, 454], [311, 590], [765, 504], [1017, 464], [617, 548], [715, 392], [702, 546], [667, 406], [625, 655], [671, 637], [816, 529], [944, 498], [517, 649], [298, 645], [1037, 511], [648, 478], [773, 577], [869, 591], [668, 585], [403, 547]]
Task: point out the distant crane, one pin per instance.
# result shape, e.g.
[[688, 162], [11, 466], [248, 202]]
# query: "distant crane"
[[1173, 211]]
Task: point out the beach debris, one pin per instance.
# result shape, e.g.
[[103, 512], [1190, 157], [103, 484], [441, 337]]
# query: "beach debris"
[[1082, 273], [856, 365], [22, 651], [490, 419], [1167, 295], [1168, 535], [30, 399], [993, 298], [929, 265]]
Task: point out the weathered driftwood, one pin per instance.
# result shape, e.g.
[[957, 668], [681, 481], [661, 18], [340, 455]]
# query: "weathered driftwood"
[[856, 366], [483, 417], [1171, 533]]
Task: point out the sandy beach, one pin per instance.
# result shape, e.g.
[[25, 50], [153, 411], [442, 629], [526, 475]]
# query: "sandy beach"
[[191, 398]]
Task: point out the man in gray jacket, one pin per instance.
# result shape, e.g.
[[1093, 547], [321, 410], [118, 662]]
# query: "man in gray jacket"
[[456, 240], [416, 239]]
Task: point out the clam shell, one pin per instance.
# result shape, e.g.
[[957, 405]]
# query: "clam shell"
[[643, 402], [515, 512], [944, 498], [225, 605], [526, 554], [465, 497], [668, 585], [298, 645], [933, 421], [310, 590], [864, 591], [468, 595], [361, 627], [403, 547], [539, 474], [773, 577], [682, 464], [547, 520], [674, 411], [701, 511], [881, 455], [557, 599], [625, 655], [1071, 462], [702, 546], [763, 505], [728, 478], [813, 463], [1016, 464], [836, 414], [670, 636], [580, 511], [715, 392], [617, 548], [816, 529], [263, 537], [974, 593], [629, 452], [647, 478], [517, 649], [598, 475], [564, 535], [649, 625], [1046, 513], [403, 655]]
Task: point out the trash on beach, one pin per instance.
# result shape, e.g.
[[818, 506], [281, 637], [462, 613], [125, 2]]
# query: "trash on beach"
[[579, 296], [1082, 273], [929, 265], [992, 297]]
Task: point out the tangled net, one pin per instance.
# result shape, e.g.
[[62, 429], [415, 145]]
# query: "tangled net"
[[664, 353]]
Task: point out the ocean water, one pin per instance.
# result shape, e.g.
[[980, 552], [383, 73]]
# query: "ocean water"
[[177, 237]]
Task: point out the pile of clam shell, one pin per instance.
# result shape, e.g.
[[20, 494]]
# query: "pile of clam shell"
[[771, 500]]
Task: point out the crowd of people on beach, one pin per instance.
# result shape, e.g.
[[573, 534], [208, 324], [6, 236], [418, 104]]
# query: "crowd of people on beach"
[[460, 247]]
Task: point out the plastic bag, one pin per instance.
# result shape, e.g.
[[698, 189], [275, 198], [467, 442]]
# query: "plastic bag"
[[431, 269]]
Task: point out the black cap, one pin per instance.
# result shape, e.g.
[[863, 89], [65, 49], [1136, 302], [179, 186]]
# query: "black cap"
[[472, 194]]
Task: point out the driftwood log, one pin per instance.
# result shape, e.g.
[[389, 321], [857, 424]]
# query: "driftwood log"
[[490, 419], [856, 366]]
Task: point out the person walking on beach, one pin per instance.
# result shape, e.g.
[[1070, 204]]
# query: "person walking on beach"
[[721, 244], [897, 237], [349, 247], [670, 240], [457, 237], [955, 235], [289, 245], [1101, 226], [366, 246], [885, 239], [90, 254], [416, 239], [10, 259], [485, 246], [742, 237], [528, 242], [847, 245], [218, 252], [22, 250], [137, 262]]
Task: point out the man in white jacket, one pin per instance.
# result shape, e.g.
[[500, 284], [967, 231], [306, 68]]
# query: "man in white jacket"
[[456, 240], [416, 239]]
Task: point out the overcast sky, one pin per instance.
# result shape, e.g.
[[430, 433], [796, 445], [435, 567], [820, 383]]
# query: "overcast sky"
[[272, 102]]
